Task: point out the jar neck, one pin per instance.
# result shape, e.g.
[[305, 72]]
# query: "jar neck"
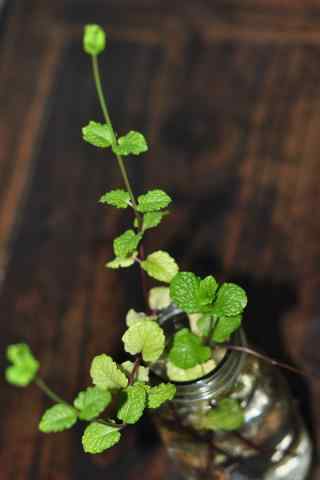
[[219, 381]]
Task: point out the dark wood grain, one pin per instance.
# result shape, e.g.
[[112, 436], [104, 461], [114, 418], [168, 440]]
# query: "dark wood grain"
[[228, 98]]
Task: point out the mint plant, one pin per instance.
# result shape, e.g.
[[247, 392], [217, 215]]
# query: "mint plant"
[[218, 310]]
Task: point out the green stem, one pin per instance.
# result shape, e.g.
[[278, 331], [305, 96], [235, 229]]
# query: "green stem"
[[123, 170], [44, 387], [105, 111]]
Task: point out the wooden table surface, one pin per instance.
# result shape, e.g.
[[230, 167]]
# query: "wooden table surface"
[[227, 93]]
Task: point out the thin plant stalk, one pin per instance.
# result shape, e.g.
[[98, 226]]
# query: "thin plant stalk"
[[121, 163]]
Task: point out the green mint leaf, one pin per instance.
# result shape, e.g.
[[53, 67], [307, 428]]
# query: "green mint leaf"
[[134, 404], [133, 143], [227, 416], [126, 243], [153, 200], [187, 350], [24, 365], [98, 437], [91, 402], [177, 374], [94, 39], [106, 374], [116, 198], [152, 219], [58, 418], [161, 266], [159, 298], [205, 323], [160, 394], [97, 134], [207, 290], [184, 290], [120, 262], [143, 372], [145, 337], [231, 300], [225, 326]]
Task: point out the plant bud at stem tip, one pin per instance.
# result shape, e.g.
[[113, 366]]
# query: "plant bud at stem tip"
[[94, 39]]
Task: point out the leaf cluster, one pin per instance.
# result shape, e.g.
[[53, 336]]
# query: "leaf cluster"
[[111, 381], [220, 306]]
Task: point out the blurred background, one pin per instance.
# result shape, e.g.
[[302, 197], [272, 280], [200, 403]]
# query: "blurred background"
[[227, 93]]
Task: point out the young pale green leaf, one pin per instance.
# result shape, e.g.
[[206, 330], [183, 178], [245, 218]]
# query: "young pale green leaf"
[[98, 437], [161, 266], [116, 198], [133, 143], [184, 290], [25, 365], [187, 350], [193, 323], [160, 394], [58, 418], [94, 39], [159, 298], [120, 262], [106, 374], [132, 408], [126, 243], [152, 201], [207, 290], [231, 300], [177, 374], [91, 402], [97, 134], [152, 219], [133, 317], [143, 372], [145, 337], [225, 326], [227, 416], [205, 324]]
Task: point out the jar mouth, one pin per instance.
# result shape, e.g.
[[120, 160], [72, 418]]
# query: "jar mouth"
[[215, 382]]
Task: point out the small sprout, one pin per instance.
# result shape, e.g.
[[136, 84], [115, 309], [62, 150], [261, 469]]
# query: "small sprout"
[[24, 365], [94, 39]]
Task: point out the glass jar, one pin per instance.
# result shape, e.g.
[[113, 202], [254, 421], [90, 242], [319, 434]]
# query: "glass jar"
[[272, 444]]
